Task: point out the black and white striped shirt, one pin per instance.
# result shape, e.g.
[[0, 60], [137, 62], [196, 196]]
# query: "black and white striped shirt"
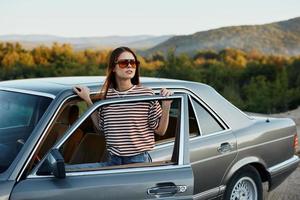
[[129, 127]]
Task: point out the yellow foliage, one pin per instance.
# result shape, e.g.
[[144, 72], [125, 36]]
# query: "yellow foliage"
[[81, 58], [102, 57], [26, 59], [10, 59], [199, 61], [64, 49], [149, 65], [41, 55]]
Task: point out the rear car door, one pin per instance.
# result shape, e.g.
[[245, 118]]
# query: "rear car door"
[[212, 152], [161, 179]]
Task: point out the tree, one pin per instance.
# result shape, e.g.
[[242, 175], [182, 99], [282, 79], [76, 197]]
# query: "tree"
[[258, 97], [10, 59]]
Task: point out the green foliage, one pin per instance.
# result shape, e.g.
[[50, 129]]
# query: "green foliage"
[[180, 67], [252, 81], [258, 93]]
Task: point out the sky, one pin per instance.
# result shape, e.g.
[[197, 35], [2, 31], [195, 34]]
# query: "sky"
[[87, 18]]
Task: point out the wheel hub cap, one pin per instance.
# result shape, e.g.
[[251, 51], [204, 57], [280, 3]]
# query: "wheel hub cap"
[[244, 189]]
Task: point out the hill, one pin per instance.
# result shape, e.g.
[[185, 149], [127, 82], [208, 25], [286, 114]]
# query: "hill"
[[274, 38], [137, 42]]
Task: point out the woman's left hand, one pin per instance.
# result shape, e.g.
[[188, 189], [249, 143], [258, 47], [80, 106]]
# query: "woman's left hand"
[[166, 103]]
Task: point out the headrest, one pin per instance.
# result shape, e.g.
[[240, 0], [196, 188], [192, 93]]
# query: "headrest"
[[69, 115]]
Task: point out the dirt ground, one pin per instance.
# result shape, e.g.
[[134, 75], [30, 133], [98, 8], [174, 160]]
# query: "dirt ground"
[[290, 188]]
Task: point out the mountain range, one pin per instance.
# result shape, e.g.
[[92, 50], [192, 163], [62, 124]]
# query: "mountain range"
[[274, 38], [79, 43]]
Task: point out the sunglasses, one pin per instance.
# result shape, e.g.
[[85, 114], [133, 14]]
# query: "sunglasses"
[[123, 63]]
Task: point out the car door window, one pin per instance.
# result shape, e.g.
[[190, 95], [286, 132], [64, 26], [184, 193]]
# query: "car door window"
[[169, 137], [174, 115], [208, 124], [93, 146], [193, 124], [89, 148], [69, 112]]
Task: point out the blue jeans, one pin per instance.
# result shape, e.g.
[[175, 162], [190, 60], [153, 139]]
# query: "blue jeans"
[[123, 160], [113, 160]]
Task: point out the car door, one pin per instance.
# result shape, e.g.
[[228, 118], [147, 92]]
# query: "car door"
[[211, 153], [150, 181]]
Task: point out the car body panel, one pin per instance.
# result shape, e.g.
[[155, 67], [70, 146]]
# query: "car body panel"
[[5, 189], [209, 165], [124, 185]]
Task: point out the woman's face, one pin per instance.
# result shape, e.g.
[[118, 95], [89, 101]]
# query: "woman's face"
[[124, 68]]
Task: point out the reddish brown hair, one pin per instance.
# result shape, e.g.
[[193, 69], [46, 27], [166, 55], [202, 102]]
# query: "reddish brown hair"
[[110, 81]]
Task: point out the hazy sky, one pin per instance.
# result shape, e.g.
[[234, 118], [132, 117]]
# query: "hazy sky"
[[133, 17]]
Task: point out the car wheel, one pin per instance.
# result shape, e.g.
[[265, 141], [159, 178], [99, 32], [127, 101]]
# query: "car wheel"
[[245, 185]]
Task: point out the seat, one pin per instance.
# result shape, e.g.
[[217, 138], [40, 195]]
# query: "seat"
[[63, 122], [52, 137], [170, 132], [90, 150], [74, 140], [71, 144]]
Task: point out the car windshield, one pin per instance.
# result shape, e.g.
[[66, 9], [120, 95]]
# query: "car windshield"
[[19, 114]]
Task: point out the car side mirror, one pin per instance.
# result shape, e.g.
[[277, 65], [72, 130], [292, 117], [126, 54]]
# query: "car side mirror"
[[54, 164]]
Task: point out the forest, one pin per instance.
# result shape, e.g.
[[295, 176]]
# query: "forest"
[[252, 81]]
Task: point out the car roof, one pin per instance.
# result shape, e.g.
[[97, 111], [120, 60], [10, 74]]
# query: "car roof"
[[54, 85]]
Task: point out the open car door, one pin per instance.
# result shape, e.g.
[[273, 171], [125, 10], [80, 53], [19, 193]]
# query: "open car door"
[[170, 176]]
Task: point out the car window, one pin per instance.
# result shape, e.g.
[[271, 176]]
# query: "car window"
[[16, 111], [67, 115], [174, 117], [193, 124], [208, 124], [173, 121], [19, 115], [86, 147]]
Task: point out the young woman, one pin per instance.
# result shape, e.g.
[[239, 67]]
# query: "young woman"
[[128, 128]]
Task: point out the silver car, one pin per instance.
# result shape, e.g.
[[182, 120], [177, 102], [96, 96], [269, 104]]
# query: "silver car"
[[49, 148]]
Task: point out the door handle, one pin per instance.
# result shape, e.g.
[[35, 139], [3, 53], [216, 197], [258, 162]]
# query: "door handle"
[[167, 190], [225, 147]]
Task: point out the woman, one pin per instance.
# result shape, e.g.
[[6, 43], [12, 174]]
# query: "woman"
[[129, 128]]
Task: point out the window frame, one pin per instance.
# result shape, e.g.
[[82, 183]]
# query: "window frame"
[[183, 158], [198, 121]]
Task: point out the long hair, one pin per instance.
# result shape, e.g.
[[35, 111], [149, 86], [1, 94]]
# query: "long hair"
[[110, 81]]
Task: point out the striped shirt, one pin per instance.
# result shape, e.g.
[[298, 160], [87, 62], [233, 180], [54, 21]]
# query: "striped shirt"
[[129, 127]]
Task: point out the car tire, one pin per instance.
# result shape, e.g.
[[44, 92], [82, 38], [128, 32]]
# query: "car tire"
[[245, 184]]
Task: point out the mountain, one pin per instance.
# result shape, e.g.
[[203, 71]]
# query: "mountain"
[[137, 42], [274, 38]]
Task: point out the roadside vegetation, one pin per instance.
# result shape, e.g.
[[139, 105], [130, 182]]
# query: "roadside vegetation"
[[253, 81]]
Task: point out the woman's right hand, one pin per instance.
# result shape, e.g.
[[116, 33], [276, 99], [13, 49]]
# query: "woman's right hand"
[[83, 92]]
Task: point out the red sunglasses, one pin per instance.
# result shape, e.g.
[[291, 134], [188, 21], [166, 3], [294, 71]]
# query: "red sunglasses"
[[123, 63]]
